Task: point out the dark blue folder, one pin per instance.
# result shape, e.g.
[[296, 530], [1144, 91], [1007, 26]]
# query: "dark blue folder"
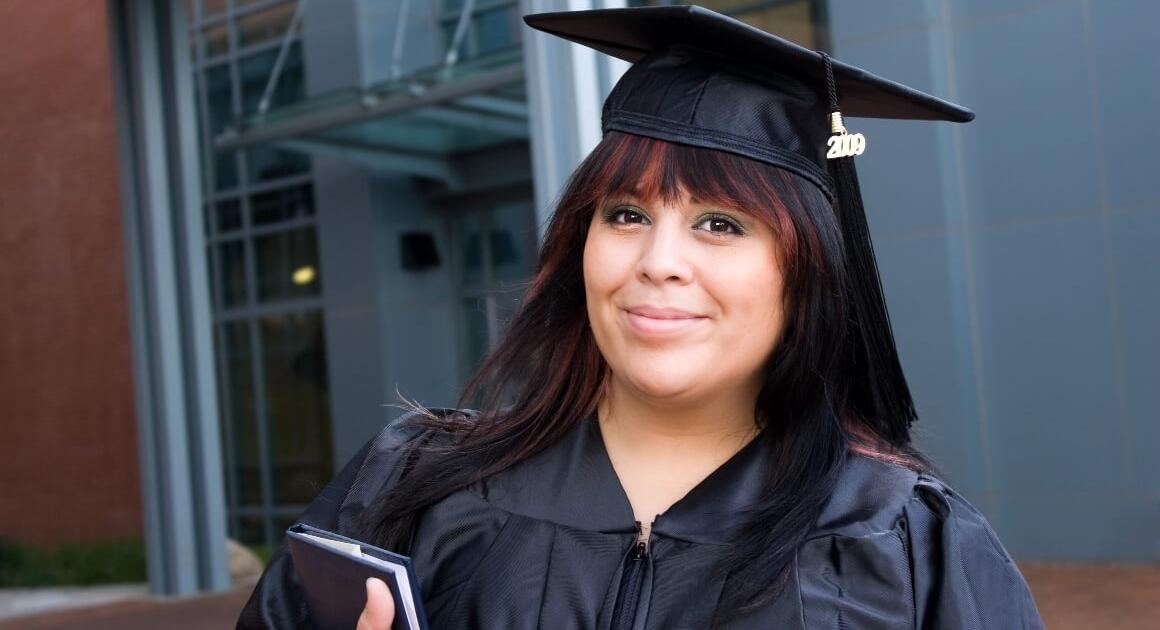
[[335, 582]]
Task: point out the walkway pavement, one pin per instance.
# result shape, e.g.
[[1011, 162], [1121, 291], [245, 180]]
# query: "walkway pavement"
[[140, 612], [1069, 597]]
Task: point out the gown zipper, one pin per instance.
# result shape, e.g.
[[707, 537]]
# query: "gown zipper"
[[631, 581]]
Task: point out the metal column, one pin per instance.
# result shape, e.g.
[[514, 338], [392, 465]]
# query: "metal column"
[[566, 86], [165, 257]]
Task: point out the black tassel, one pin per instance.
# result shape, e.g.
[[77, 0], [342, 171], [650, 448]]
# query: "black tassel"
[[879, 392]]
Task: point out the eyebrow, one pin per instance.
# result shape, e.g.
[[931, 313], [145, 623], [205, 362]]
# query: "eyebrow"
[[633, 196]]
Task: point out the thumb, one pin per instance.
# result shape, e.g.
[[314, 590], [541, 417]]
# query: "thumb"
[[379, 613]]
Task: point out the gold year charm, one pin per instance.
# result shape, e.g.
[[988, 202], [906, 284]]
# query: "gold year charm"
[[846, 145], [843, 144]]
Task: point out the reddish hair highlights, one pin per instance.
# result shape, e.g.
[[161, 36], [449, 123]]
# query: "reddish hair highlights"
[[547, 374]]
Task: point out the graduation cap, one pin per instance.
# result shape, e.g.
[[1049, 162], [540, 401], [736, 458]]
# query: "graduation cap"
[[704, 79]]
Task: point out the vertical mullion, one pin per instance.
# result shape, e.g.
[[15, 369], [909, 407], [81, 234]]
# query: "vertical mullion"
[[257, 344], [454, 256], [284, 248], [228, 426], [488, 270], [265, 471], [205, 438], [229, 422]]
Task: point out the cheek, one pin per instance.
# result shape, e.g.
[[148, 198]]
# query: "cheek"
[[606, 267], [751, 297], [594, 273]]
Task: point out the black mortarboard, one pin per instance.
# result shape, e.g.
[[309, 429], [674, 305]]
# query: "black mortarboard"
[[704, 79]]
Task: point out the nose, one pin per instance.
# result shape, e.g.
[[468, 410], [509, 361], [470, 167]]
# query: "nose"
[[664, 256]]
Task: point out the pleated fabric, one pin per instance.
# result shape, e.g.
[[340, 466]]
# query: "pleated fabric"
[[544, 544]]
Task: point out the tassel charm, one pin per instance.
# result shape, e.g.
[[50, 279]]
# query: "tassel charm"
[[879, 391], [842, 144]]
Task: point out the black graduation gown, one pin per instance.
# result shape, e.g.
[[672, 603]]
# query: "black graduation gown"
[[550, 543]]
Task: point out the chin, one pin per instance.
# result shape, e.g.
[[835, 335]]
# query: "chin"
[[663, 382]]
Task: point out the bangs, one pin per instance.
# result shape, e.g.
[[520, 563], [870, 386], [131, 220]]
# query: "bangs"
[[651, 170], [654, 170]]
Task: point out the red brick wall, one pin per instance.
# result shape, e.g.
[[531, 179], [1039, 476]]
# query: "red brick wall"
[[68, 440]]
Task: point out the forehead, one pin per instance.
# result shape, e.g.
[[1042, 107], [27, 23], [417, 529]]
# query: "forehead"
[[652, 193]]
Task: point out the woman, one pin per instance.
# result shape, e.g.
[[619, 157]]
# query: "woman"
[[697, 418]]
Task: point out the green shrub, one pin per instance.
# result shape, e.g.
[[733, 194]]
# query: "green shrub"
[[263, 552], [71, 564]]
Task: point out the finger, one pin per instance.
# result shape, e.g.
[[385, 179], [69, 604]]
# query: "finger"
[[379, 613]]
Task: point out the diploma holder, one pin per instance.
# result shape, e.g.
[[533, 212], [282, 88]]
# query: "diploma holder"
[[334, 570]]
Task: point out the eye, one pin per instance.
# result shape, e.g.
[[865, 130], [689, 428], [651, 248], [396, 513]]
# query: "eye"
[[719, 224], [624, 216]]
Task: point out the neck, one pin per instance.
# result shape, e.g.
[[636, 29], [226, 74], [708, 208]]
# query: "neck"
[[661, 449], [719, 426]]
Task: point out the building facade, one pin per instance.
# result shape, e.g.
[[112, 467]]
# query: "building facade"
[[331, 205]]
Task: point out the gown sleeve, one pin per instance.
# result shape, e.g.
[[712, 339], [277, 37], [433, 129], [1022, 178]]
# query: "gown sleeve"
[[963, 577], [277, 600]]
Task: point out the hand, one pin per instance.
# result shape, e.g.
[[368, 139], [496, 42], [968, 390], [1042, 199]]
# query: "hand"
[[379, 613]]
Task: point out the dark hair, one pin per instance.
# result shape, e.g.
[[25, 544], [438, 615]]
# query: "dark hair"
[[547, 374]]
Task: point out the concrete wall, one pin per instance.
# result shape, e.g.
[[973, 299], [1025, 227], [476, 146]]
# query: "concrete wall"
[[68, 440], [1019, 257], [387, 329]]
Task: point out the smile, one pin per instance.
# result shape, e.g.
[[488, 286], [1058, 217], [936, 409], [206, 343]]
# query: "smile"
[[655, 322]]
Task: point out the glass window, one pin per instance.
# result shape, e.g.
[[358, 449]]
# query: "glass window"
[[510, 249], [513, 242], [232, 269], [282, 205], [219, 101], [266, 163], [218, 98], [491, 273], [264, 25], [448, 29], [225, 170], [283, 355], [496, 30], [217, 40], [494, 26], [254, 73], [250, 530], [213, 7], [471, 250], [475, 333], [294, 362], [287, 265], [228, 215], [238, 411]]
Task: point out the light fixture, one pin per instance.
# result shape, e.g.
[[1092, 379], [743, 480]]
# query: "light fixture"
[[304, 275]]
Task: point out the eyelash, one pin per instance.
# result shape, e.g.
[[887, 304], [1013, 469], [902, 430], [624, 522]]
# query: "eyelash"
[[614, 215]]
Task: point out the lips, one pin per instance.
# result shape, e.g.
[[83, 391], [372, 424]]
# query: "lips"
[[655, 321]]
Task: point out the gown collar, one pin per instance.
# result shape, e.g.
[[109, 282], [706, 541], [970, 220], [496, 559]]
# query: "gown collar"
[[573, 483]]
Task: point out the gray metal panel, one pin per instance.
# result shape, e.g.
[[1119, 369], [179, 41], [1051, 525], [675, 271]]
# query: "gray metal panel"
[[201, 395], [566, 90], [1050, 267], [176, 398]]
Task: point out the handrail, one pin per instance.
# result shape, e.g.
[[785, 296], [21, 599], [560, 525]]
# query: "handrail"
[[460, 32], [283, 51], [400, 36]]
